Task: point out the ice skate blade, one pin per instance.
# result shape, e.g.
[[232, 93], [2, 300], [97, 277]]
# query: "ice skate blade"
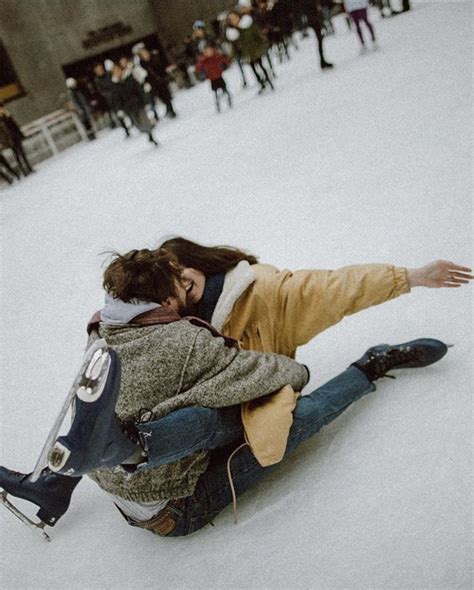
[[37, 526]]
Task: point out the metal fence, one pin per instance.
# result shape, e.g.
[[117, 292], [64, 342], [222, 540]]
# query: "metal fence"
[[52, 134]]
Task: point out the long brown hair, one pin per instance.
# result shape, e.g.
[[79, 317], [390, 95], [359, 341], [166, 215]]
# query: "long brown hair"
[[208, 259], [142, 274]]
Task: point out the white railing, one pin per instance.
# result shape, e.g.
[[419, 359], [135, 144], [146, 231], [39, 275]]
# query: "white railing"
[[53, 128], [51, 134]]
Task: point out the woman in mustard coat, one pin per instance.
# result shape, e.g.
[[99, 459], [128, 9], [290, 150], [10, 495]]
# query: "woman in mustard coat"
[[269, 310]]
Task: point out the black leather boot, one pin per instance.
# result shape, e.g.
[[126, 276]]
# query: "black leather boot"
[[378, 360]]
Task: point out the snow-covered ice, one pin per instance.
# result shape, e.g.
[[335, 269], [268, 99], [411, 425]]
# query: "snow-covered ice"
[[370, 162]]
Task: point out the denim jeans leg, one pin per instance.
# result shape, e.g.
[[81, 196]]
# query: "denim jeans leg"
[[188, 430], [326, 403], [213, 491]]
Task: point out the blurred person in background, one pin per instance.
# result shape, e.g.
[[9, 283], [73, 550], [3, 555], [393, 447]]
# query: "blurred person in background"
[[200, 36], [131, 96], [78, 103], [141, 75], [327, 8], [105, 88], [212, 63], [6, 171], [385, 8], [157, 77], [261, 16], [357, 9], [283, 23], [116, 105], [11, 136], [251, 44], [315, 19], [102, 87]]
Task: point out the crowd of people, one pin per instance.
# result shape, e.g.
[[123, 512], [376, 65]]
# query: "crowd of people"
[[128, 92], [128, 89], [252, 34]]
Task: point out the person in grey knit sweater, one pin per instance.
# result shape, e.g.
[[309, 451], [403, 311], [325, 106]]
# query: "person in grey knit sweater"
[[176, 365]]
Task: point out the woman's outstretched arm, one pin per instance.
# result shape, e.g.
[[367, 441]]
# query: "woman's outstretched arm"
[[308, 302]]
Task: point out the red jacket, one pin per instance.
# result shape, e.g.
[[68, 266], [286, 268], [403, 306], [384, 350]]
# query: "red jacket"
[[212, 66]]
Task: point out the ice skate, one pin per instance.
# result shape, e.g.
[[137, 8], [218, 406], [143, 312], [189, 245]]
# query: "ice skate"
[[378, 360], [51, 492], [92, 375], [96, 437]]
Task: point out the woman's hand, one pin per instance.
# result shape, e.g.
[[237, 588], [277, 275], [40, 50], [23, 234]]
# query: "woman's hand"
[[438, 274]]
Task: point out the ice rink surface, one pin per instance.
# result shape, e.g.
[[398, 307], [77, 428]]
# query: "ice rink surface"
[[370, 162]]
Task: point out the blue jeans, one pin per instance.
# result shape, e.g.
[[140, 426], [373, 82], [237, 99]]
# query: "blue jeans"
[[191, 429], [188, 430]]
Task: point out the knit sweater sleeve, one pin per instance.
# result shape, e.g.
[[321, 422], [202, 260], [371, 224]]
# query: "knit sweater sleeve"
[[217, 376]]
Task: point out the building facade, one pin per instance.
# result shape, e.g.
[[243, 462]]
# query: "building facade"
[[44, 41]]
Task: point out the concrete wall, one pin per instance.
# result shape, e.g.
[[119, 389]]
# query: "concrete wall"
[[42, 35], [176, 17]]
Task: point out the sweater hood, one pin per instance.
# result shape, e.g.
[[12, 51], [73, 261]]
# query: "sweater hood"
[[236, 282], [117, 312]]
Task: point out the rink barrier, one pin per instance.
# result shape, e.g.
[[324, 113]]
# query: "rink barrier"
[[49, 135], [52, 134]]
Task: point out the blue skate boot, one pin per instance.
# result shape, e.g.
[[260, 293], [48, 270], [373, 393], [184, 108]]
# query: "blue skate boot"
[[96, 437], [51, 492], [378, 360]]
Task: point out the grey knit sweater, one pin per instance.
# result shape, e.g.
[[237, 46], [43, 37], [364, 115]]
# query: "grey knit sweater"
[[170, 366]]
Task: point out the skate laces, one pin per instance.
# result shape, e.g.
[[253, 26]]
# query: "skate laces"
[[392, 358], [129, 427], [399, 356]]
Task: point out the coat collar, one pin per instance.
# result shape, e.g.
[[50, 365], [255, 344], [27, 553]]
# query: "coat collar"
[[236, 282]]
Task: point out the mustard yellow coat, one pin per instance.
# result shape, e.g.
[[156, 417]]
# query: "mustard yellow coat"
[[282, 310]]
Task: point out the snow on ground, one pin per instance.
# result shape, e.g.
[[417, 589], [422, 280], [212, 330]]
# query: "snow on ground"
[[369, 162]]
